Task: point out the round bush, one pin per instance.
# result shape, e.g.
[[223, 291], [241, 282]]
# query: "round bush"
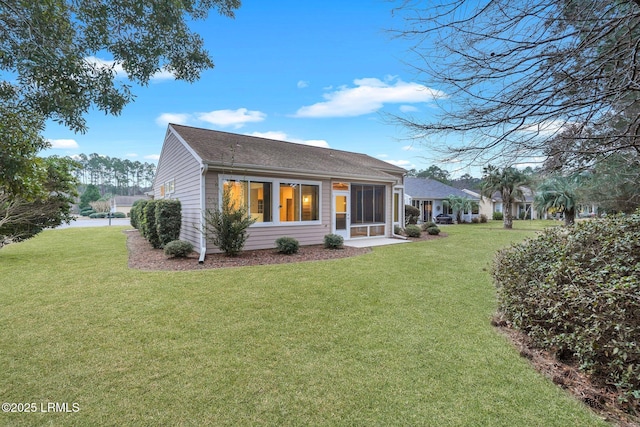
[[287, 245], [412, 230], [333, 241], [178, 249], [433, 230], [426, 225], [498, 216]]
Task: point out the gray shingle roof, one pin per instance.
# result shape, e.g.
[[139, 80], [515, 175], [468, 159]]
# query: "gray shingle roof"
[[425, 188], [234, 151]]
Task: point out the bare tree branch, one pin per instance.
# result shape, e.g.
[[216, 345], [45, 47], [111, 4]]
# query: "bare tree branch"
[[518, 73]]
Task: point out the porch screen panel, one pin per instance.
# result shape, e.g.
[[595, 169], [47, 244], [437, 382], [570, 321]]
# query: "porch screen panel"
[[367, 204]]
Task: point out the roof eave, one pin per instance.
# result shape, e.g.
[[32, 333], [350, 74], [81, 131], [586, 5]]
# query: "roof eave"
[[293, 172]]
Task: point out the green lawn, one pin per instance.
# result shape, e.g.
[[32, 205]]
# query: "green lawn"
[[400, 336]]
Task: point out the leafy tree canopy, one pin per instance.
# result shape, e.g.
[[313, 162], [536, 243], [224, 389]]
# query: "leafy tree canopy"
[[22, 218], [50, 70]]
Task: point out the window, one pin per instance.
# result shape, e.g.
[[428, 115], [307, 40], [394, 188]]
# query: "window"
[[274, 202], [367, 204], [254, 195], [299, 202]]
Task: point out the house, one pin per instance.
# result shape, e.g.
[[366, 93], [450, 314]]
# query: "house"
[[124, 203], [294, 190], [428, 195], [520, 208]]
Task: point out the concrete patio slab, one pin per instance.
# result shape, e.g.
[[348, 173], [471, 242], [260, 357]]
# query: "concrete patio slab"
[[368, 243]]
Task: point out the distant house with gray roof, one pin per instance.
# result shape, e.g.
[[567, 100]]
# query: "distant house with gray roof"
[[428, 195], [290, 189]]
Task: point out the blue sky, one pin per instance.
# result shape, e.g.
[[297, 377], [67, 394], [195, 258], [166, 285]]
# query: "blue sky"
[[322, 73]]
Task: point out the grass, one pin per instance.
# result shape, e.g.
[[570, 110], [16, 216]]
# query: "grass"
[[400, 336]]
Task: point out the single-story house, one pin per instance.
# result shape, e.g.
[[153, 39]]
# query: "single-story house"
[[124, 203], [428, 195], [520, 208], [294, 190]]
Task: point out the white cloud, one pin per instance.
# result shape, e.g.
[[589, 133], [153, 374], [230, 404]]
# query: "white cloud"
[[178, 118], [402, 163], [302, 84], [236, 118], [368, 95], [117, 67], [63, 143], [152, 156], [163, 75], [282, 136], [408, 109], [131, 155]]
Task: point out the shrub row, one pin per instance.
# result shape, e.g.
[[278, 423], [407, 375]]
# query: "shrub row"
[[159, 221], [576, 292], [289, 245], [107, 215]]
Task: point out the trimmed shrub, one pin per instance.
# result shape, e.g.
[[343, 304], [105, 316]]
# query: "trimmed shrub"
[[149, 229], [168, 220], [498, 216], [483, 219], [333, 241], [287, 245], [118, 215], [397, 229], [227, 226], [136, 213], [87, 212], [178, 249], [426, 225], [433, 230], [412, 230], [411, 214], [576, 292]]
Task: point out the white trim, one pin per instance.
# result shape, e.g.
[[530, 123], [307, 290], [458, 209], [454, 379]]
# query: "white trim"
[[347, 231], [203, 209]]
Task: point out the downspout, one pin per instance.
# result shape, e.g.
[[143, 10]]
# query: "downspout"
[[203, 208]]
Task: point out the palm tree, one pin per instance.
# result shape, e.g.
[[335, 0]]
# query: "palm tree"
[[459, 204], [507, 182], [559, 192]]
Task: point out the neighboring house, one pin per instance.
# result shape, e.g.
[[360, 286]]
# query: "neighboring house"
[[428, 195], [520, 209], [294, 190], [124, 203]]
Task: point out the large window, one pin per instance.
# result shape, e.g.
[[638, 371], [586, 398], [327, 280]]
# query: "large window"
[[367, 204], [299, 202], [274, 202], [254, 195]]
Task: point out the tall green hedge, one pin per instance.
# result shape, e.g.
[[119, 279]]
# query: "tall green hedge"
[[136, 213], [149, 229], [168, 220], [576, 291]]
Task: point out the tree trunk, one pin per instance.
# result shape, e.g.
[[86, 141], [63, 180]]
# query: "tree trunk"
[[506, 207], [569, 217]]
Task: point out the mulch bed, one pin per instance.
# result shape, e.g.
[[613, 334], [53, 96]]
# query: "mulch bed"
[[142, 256]]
